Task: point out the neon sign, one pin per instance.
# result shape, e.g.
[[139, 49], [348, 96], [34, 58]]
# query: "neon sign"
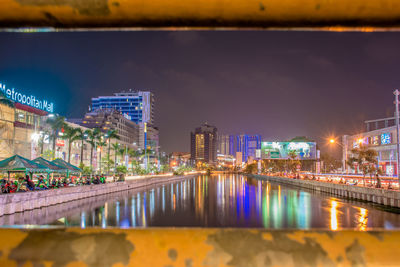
[[281, 150], [386, 139], [27, 100]]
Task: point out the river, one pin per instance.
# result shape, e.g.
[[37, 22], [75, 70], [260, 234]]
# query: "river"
[[215, 201]]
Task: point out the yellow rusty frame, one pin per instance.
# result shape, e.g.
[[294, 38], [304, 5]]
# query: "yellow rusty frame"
[[336, 15], [196, 247]]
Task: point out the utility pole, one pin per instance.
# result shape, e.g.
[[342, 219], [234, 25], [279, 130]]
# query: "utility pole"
[[396, 93]]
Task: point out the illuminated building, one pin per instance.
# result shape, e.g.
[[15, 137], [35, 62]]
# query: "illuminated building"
[[110, 119], [380, 136], [204, 144], [223, 144], [22, 122], [138, 105], [151, 136], [248, 145]]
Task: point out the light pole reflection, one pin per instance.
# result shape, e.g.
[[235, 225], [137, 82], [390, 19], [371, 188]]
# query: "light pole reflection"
[[334, 215], [363, 219]]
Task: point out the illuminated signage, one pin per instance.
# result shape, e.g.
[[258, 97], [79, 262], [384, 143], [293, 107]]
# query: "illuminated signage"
[[281, 150], [364, 141], [28, 100], [375, 140], [60, 142], [386, 138]]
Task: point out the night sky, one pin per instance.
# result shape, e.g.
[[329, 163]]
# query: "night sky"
[[277, 84]]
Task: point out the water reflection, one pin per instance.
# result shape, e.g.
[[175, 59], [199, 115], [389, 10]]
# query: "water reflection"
[[334, 215], [231, 201]]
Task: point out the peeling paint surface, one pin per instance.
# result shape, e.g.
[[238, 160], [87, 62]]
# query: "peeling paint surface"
[[87, 7], [336, 15], [196, 247]]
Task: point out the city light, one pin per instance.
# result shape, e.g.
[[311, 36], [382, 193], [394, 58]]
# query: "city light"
[[35, 137], [332, 141]]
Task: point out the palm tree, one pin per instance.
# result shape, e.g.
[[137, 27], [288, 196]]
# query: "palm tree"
[[4, 100], [294, 162], [365, 159], [134, 154], [116, 148], [56, 123], [92, 136], [71, 135], [111, 134], [82, 135], [100, 143]]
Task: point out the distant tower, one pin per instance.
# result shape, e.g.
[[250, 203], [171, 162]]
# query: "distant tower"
[[203, 144]]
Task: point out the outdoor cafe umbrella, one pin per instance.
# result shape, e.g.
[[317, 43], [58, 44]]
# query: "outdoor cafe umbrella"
[[70, 168], [50, 165], [17, 163]]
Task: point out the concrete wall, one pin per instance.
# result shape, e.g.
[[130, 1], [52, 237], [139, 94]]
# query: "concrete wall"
[[19, 202], [375, 195]]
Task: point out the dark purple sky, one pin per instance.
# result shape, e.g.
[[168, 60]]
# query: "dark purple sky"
[[277, 84]]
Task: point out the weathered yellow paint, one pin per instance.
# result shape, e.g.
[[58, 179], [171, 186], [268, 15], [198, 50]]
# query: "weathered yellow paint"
[[362, 15], [196, 247]]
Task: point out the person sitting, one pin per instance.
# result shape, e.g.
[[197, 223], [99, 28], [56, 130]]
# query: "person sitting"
[[29, 183], [41, 183]]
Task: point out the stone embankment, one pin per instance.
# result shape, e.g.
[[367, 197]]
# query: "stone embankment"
[[19, 202], [376, 195]]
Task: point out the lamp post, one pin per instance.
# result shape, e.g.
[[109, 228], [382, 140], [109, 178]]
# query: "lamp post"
[[396, 93], [344, 147]]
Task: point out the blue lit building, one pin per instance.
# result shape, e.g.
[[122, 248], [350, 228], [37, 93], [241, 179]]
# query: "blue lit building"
[[247, 144], [137, 105]]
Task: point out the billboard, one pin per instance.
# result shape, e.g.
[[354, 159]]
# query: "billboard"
[[281, 150]]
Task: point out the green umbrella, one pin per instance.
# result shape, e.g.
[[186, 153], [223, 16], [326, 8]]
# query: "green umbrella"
[[17, 163], [53, 167], [66, 165]]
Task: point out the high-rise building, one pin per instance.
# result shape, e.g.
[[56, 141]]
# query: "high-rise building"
[[139, 105], [203, 146], [223, 144], [246, 144], [111, 119]]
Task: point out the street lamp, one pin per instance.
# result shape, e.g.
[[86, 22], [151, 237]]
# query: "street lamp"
[[344, 157]]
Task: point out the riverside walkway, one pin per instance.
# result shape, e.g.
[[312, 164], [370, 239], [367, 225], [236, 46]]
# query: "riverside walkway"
[[19, 202], [381, 196]]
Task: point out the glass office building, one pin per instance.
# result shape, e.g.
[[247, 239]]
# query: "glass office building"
[[136, 105], [246, 144]]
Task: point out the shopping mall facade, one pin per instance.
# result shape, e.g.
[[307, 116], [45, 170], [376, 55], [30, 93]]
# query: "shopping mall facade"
[[24, 131], [380, 136]]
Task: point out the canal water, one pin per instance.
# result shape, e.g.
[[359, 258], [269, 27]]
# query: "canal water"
[[215, 201]]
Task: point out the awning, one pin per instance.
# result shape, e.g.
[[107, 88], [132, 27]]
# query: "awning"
[[17, 163]]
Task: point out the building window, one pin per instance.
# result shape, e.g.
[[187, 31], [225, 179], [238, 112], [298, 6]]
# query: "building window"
[[20, 116]]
